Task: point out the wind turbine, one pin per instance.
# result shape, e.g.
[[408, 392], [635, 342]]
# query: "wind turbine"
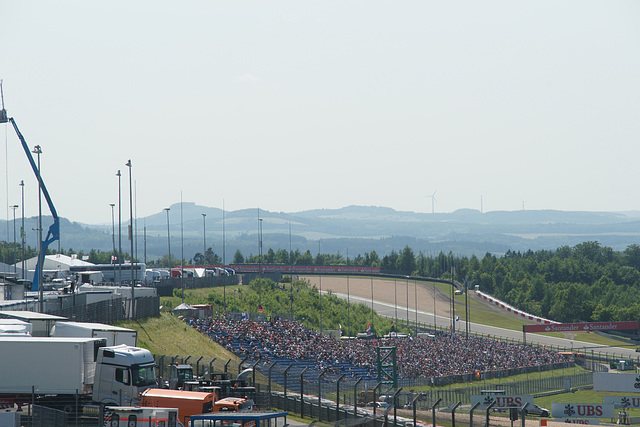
[[433, 201]]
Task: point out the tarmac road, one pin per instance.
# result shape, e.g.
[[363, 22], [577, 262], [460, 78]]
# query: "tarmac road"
[[397, 299]]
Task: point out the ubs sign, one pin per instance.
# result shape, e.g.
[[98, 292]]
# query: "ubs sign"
[[582, 410], [616, 382], [623, 401], [502, 401]]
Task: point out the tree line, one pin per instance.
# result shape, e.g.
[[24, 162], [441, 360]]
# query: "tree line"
[[586, 282]]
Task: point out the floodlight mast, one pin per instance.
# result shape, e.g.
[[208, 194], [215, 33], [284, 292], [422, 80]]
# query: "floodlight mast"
[[54, 230]]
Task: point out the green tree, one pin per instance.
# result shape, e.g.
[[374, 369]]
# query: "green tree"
[[238, 258], [406, 262]]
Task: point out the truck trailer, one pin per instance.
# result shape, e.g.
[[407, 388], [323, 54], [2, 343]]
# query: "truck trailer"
[[114, 335], [65, 372]]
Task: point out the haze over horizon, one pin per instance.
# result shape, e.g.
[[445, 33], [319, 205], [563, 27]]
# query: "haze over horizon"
[[291, 106]]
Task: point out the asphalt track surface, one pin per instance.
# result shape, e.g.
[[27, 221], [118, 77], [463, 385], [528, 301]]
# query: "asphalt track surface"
[[397, 299]]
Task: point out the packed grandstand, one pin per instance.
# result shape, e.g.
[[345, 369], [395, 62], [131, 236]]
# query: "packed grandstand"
[[429, 357]]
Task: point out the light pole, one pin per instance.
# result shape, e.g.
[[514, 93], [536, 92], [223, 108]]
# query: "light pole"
[[395, 299], [371, 277], [14, 207], [204, 237], [260, 259], [181, 249], [113, 230], [415, 291], [22, 236], [435, 326], [348, 305], [407, 301], [320, 294], [133, 274], [118, 174], [168, 240], [37, 150]]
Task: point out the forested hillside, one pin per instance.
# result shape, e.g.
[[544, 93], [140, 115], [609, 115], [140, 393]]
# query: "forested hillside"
[[587, 282]]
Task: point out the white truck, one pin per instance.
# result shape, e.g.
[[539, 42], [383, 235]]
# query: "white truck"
[[114, 335], [65, 373]]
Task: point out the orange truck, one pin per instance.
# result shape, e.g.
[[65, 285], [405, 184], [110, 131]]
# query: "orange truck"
[[234, 404], [188, 402]]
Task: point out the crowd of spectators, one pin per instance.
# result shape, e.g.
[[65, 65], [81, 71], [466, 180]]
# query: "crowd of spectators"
[[440, 356]]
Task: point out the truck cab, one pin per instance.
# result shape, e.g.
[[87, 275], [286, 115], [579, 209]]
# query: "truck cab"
[[122, 373], [179, 374]]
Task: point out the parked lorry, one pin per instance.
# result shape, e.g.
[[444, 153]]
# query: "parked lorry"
[[188, 402], [127, 416], [234, 404], [114, 335], [65, 372], [193, 402], [181, 377]]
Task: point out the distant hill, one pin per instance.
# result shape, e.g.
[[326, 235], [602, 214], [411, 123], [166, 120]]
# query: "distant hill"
[[349, 231]]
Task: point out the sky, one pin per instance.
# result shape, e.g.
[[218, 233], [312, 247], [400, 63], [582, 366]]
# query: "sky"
[[289, 106]]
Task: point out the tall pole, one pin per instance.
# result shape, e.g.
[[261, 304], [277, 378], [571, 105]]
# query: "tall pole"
[[395, 299], [119, 228], [320, 278], [168, 240], [37, 150], [348, 306], [14, 207], [133, 272], [407, 301], [260, 256], [371, 277], [466, 305], [290, 245], [181, 249], [434, 307], [415, 290], [135, 221], [22, 236], [145, 242], [224, 259], [453, 301], [204, 237], [113, 230]]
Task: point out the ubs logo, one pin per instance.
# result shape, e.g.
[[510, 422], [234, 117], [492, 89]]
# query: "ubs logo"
[[569, 411]]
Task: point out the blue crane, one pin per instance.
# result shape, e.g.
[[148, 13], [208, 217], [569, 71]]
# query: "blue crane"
[[54, 230]]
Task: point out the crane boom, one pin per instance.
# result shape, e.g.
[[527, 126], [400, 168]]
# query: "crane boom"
[[54, 230]]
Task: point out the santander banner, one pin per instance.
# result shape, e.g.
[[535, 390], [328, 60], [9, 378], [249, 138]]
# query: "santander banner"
[[583, 327]]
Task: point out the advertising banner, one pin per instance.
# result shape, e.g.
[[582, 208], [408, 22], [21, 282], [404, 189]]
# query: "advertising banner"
[[502, 401], [583, 327], [586, 421], [582, 410], [623, 401], [607, 381]]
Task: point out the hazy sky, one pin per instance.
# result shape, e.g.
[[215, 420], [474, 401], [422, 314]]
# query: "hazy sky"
[[297, 105]]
